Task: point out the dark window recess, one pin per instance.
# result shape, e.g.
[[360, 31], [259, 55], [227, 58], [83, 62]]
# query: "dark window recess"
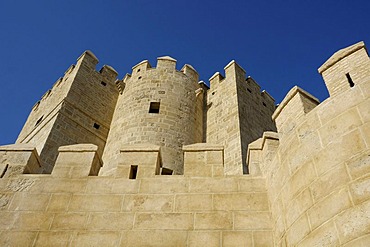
[[133, 172], [249, 90], [213, 93], [39, 121], [263, 103], [4, 171], [154, 107], [36, 106], [349, 79], [96, 126], [139, 77], [166, 171], [138, 70], [103, 83]]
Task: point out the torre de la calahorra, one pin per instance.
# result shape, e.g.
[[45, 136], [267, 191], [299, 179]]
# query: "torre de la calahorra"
[[160, 159]]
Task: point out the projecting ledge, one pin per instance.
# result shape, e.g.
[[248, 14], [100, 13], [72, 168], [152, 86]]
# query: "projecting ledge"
[[78, 148], [18, 159], [140, 148], [202, 147], [76, 161]]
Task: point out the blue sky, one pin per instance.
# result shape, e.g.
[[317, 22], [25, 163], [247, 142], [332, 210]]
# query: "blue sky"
[[279, 43]]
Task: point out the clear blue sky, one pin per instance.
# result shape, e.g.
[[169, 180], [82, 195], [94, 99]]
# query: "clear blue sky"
[[279, 43]]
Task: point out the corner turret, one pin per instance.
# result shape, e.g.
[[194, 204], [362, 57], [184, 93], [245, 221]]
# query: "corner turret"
[[346, 68]]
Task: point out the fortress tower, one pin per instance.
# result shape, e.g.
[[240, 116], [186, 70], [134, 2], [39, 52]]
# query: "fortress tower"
[[78, 109], [160, 106], [237, 114]]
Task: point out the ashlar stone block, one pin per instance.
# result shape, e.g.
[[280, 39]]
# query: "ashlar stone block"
[[139, 161], [18, 159], [203, 160], [74, 161]]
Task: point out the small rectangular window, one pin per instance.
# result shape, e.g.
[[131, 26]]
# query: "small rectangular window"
[[166, 171], [96, 126], [103, 83], [133, 172], [154, 107]]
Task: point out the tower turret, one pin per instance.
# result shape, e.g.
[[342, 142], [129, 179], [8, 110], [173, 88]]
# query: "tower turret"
[[157, 106], [346, 68]]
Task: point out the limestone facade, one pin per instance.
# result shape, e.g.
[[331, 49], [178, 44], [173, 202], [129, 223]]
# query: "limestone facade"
[[68, 182]]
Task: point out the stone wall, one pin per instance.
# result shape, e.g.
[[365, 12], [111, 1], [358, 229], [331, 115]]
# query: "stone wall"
[[69, 207], [317, 169]]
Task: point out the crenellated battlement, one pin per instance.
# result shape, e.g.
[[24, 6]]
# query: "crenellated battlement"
[[163, 63], [158, 158], [233, 71]]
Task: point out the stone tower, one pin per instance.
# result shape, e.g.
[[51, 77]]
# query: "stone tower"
[[160, 106], [237, 114], [78, 109]]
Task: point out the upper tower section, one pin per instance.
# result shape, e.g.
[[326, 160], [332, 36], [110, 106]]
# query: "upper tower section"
[[237, 114], [161, 106], [346, 68], [77, 109]]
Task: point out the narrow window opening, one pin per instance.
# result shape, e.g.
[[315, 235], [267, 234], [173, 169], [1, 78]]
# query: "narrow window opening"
[[39, 120], [139, 77], [351, 83], [133, 172], [263, 103], [96, 126], [166, 171], [103, 83], [4, 171], [154, 107], [249, 90], [213, 93], [138, 70]]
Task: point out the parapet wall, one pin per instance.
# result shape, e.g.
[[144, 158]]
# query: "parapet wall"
[[73, 206]]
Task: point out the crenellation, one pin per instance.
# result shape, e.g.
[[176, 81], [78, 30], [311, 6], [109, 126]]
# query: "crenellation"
[[70, 69], [159, 158], [166, 62], [189, 71], [215, 79], [234, 70], [108, 73], [87, 59], [140, 67]]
